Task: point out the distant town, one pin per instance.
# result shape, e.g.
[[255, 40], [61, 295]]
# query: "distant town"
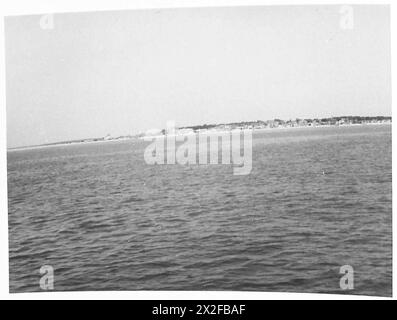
[[244, 125], [272, 124], [277, 123]]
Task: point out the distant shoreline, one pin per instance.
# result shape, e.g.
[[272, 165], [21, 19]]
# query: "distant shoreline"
[[209, 132], [280, 128]]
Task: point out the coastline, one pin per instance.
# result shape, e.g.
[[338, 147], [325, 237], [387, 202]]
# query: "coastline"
[[207, 132], [280, 128], [52, 145]]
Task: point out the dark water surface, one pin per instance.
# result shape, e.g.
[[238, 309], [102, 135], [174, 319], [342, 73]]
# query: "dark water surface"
[[105, 220]]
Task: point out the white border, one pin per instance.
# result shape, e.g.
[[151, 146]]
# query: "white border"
[[19, 7]]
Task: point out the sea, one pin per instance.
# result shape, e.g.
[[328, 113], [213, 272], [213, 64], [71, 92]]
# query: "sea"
[[316, 199]]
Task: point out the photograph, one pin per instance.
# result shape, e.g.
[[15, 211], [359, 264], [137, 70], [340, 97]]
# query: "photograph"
[[226, 149]]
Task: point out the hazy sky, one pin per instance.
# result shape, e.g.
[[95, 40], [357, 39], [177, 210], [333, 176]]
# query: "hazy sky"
[[126, 71]]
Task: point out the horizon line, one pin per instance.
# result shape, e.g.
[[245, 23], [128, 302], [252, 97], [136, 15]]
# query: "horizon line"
[[96, 139]]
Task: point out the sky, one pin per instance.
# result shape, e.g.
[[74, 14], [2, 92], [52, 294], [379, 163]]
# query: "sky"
[[121, 72]]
